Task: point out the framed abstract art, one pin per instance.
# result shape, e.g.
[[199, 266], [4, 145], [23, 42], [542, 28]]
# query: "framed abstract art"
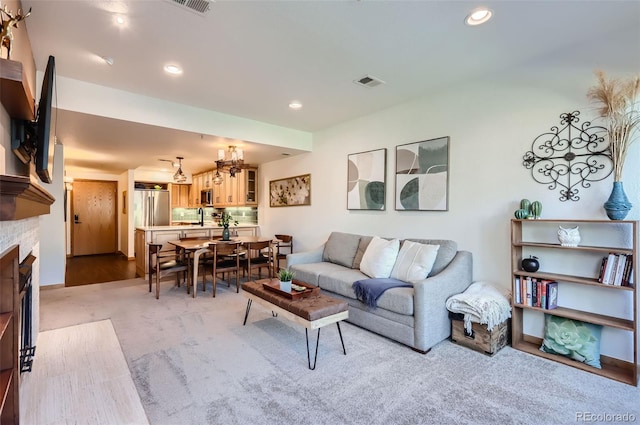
[[366, 180], [422, 175]]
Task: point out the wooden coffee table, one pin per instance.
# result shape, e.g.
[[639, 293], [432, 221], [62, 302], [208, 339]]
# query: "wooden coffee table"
[[312, 309]]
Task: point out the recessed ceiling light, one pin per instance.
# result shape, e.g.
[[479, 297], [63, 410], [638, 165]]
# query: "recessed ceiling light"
[[120, 20], [108, 60], [478, 16], [295, 105], [173, 69]]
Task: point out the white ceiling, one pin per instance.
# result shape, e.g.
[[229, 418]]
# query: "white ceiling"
[[251, 58]]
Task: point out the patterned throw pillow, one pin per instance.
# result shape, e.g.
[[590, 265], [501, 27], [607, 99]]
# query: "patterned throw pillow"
[[572, 338]]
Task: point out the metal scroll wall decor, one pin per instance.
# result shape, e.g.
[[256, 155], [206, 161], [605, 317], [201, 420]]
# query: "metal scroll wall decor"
[[569, 157]]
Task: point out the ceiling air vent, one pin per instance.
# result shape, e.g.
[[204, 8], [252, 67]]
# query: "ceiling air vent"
[[199, 6], [368, 81]]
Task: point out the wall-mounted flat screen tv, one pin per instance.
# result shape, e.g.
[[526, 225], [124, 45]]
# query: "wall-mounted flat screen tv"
[[30, 140]]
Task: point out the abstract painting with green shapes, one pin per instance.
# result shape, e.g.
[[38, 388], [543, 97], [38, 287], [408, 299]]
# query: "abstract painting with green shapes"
[[366, 180], [422, 175]]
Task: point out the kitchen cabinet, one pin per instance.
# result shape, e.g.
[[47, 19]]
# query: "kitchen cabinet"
[[238, 191], [180, 195], [249, 191], [196, 187]]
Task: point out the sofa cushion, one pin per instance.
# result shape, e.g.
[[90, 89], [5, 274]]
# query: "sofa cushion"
[[362, 247], [310, 272], [379, 258], [415, 261], [341, 248], [447, 251], [340, 281]]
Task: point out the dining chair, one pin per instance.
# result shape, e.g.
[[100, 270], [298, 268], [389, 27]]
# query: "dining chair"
[[285, 243], [205, 261], [162, 264], [259, 255], [225, 260]]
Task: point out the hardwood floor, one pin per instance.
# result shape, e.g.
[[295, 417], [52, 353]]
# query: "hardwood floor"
[[87, 269]]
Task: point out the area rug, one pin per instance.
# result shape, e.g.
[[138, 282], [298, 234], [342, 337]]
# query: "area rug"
[[193, 362], [87, 361]]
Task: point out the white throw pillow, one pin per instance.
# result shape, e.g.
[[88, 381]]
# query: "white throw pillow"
[[379, 258], [415, 261]]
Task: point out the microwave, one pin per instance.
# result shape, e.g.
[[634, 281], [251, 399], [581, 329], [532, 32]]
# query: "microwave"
[[206, 197]]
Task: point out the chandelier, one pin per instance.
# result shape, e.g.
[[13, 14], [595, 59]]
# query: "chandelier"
[[179, 176], [231, 161]]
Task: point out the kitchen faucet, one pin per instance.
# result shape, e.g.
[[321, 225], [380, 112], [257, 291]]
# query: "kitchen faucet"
[[201, 214]]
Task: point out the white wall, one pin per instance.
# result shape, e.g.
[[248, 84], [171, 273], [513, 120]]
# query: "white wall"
[[53, 233], [491, 123]]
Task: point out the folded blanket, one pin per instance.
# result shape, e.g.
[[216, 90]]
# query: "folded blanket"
[[369, 290], [481, 302]]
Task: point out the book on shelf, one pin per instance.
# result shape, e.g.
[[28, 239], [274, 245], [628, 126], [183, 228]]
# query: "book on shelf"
[[546, 292], [616, 269], [622, 261], [628, 269], [552, 295], [609, 268]]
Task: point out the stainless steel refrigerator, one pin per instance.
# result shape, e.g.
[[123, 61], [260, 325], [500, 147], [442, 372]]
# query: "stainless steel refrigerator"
[[151, 208]]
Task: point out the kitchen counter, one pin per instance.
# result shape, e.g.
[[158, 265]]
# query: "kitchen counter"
[[143, 235], [207, 225]]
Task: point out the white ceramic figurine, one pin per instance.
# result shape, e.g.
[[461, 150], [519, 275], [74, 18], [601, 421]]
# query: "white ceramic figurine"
[[569, 237]]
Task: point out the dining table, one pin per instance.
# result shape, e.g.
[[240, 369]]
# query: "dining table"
[[194, 248]]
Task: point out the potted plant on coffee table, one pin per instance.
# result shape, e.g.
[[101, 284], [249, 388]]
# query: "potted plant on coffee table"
[[285, 276], [225, 221]]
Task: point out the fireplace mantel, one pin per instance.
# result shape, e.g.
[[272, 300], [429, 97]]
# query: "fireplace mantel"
[[21, 198]]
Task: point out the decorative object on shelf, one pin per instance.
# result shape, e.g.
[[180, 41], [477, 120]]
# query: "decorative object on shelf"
[[292, 191], [422, 175], [366, 180], [225, 221], [521, 214], [569, 236], [9, 21], [535, 210], [617, 206], [619, 107], [525, 204], [231, 161], [530, 264], [179, 176], [562, 158], [285, 276]]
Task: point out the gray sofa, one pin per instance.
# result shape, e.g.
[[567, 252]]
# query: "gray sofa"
[[414, 316]]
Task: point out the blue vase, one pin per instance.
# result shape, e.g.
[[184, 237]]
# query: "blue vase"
[[225, 234], [618, 205]]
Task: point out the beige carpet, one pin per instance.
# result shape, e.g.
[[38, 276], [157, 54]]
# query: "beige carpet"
[[193, 362], [80, 376]]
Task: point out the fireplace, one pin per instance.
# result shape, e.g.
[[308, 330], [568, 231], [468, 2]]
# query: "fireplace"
[[27, 349]]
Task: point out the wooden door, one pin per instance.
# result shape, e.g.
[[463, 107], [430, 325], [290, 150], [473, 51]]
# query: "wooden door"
[[94, 213]]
